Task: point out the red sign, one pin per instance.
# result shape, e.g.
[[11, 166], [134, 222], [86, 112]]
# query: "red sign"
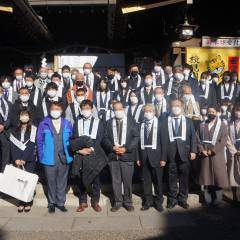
[[233, 64]]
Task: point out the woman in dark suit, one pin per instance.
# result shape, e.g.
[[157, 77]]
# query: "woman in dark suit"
[[22, 139]]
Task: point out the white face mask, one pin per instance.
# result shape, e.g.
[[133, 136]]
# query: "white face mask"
[[186, 72], [86, 71], [29, 84], [6, 85], [51, 93], [24, 98], [43, 75], [224, 108], [80, 99], [186, 97], [66, 75], [157, 69], [123, 84], [73, 76], [179, 76], [50, 75], [87, 113], [159, 97], [55, 114], [148, 82], [24, 118], [215, 79], [118, 76], [134, 100], [119, 114], [19, 77], [148, 116], [204, 111], [176, 110]]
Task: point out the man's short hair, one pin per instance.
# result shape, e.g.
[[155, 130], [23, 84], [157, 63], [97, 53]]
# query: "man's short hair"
[[52, 85], [66, 67], [149, 105], [57, 103]]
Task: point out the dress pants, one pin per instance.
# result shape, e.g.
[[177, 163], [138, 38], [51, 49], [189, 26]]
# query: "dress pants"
[[152, 175], [57, 177], [95, 194], [5, 151], [178, 170], [122, 173]]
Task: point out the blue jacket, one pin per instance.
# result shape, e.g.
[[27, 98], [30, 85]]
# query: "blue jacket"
[[45, 141]]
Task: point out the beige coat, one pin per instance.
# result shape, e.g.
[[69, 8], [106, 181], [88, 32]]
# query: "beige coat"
[[213, 170], [233, 162]]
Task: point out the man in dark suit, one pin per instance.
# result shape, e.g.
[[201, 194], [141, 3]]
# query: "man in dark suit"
[[5, 109], [150, 159], [24, 102], [178, 148], [92, 128], [120, 143], [91, 79]]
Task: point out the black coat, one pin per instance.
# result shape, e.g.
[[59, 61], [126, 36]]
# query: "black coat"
[[226, 93], [6, 123], [91, 165], [27, 155], [169, 149], [152, 155], [132, 139]]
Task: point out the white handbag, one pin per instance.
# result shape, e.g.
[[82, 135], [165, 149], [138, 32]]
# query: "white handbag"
[[18, 183]]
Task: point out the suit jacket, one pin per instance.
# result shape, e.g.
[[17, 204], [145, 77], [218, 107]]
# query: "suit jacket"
[[169, 149], [211, 99], [132, 139], [7, 122], [226, 93], [152, 155]]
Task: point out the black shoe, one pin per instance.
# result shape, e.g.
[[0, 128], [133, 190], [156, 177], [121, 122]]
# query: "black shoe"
[[184, 205], [171, 205], [115, 208], [145, 207], [129, 208], [51, 209], [159, 208], [62, 208]]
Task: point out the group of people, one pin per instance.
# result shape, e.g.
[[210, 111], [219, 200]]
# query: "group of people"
[[167, 122]]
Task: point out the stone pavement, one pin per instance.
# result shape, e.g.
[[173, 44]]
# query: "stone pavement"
[[197, 222]]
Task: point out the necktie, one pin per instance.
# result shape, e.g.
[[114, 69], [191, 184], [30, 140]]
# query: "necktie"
[[119, 131], [158, 108], [148, 128], [176, 125]]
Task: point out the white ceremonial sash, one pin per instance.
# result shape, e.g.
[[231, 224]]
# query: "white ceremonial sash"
[[162, 75], [22, 146], [44, 106], [206, 91], [4, 116], [60, 90], [10, 94], [124, 132], [233, 133], [231, 92], [110, 114], [170, 84], [139, 109], [164, 105], [195, 108], [107, 99], [76, 108], [170, 129], [94, 130], [154, 135], [35, 99], [215, 134]]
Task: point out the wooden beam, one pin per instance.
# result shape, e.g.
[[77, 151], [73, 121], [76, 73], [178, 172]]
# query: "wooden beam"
[[6, 9], [127, 10]]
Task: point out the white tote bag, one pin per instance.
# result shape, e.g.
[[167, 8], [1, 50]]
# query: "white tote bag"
[[18, 183]]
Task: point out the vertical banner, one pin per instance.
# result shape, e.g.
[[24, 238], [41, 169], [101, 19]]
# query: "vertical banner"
[[233, 64]]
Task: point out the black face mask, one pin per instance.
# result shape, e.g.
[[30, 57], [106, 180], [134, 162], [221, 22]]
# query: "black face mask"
[[79, 83], [211, 117], [134, 73]]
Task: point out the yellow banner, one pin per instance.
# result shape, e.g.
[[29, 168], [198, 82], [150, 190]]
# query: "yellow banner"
[[215, 60]]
